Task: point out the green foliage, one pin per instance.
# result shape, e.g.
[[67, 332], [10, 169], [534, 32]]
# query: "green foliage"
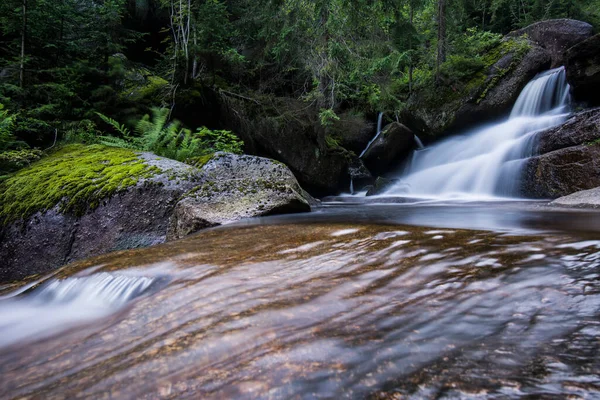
[[84, 132], [7, 122], [328, 117], [167, 139], [75, 178]]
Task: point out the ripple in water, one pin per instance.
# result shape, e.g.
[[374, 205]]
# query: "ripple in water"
[[301, 311]]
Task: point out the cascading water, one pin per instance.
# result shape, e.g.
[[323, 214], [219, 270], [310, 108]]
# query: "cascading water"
[[59, 304], [379, 128], [488, 161]]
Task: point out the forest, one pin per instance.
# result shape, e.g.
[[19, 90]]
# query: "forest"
[[149, 74]]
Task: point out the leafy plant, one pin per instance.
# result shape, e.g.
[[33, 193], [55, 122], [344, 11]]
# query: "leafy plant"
[[168, 139]]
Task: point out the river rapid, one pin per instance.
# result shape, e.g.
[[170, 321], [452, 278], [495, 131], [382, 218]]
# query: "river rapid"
[[439, 300]]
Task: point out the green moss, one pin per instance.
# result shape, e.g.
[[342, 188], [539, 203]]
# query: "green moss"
[[200, 161], [76, 177]]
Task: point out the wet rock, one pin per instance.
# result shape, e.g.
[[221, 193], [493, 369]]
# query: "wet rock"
[[584, 199], [556, 36], [568, 160], [360, 175], [237, 187], [562, 172], [583, 70], [388, 150], [381, 185]]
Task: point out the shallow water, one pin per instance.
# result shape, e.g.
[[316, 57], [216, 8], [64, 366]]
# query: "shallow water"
[[352, 301]]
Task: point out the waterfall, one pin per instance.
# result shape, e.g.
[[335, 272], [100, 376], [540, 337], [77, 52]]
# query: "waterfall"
[[379, 128], [60, 304], [419, 143], [488, 161]]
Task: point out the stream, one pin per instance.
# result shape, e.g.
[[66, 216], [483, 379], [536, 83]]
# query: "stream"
[[359, 299]]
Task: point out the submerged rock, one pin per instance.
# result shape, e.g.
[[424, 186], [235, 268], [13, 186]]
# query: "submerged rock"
[[583, 70], [395, 142], [88, 200], [583, 199], [237, 187], [381, 185], [568, 160]]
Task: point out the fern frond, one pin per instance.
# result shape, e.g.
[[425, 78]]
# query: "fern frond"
[[121, 128]]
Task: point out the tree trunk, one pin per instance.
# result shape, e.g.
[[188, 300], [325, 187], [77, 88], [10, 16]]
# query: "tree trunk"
[[410, 44], [23, 34], [441, 44]]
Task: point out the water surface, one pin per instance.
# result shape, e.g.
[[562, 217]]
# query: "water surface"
[[352, 301]]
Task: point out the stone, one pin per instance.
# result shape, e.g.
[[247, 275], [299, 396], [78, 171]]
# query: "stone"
[[140, 214], [583, 70], [289, 131], [237, 187], [568, 158], [583, 199], [557, 36], [393, 144]]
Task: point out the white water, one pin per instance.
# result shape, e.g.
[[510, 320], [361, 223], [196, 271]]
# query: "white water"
[[61, 304], [419, 143], [379, 128], [488, 161]]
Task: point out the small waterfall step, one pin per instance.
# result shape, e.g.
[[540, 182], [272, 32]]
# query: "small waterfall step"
[[488, 162], [379, 128]]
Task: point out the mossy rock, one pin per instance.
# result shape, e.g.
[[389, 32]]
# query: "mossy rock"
[[487, 93], [75, 178]]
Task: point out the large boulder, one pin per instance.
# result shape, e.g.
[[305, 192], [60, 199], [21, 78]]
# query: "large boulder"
[[488, 94], [83, 201], [237, 187], [289, 131], [568, 160], [583, 70], [391, 146], [557, 36], [354, 132]]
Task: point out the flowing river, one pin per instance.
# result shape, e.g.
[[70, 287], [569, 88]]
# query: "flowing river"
[[437, 300]]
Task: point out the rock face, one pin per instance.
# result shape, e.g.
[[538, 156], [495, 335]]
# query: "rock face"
[[557, 36], [568, 160], [137, 213], [489, 94], [394, 142], [237, 187], [290, 132], [584, 199], [583, 70]]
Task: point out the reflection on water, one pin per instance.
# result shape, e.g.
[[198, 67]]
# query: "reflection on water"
[[334, 310]]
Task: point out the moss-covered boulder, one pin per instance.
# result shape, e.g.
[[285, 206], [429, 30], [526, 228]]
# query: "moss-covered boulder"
[[486, 94], [237, 187], [83, 201], [568, 158]]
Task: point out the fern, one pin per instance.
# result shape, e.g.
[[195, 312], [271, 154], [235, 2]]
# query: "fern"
[[167, 139], [121, 128]]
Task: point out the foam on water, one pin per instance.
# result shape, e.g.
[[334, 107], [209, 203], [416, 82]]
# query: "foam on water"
[[60, 304], [488, 161]]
